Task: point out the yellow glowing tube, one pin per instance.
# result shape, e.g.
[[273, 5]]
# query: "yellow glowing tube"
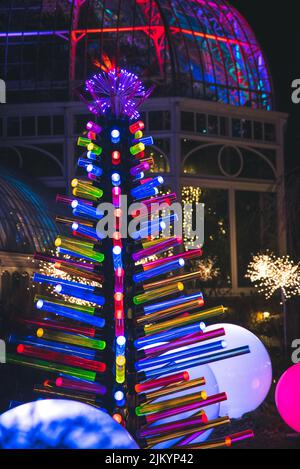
[[184, 385], [185, 320], [153, 242], [170, 403], [71, 339], [158, 293], [177, 278], [120, 369], [167, 312]]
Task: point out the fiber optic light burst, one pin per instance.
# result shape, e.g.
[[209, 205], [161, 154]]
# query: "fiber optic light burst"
[[270, 274], [117, 91]]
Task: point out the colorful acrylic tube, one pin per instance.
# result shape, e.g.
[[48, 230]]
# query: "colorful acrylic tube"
[[184, 320], [139, 191], [67, 383], [167, 266], [79, 340], [73, 306], [162, 406], [86, 231], [172, 427], [184, 342], [54, 346], [154, 417], [60, 326], [89, 255], [54, 281], [151, 295], [58, 393], [160, 247], [184, 255], [178, 278], [222, 442], [75, 271], [214, 357], [194, 352], [120, 369], [185, 431], [84, 209], [161, 382], [137, 148], [136, 170], [53, 260], [170, 335], [168, 313], [173, 303], [70, 313], [83, 141], [97, 129], [51, 367], [76, 292], [136, 126], [171, 389], [94, 148], [62, 358]]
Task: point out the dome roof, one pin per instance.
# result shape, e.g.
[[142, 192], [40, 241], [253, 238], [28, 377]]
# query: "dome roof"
[[26, 224], [196, 48]]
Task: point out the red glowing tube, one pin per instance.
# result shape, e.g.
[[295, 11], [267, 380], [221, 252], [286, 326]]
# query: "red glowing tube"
[[57, 357], [94, 388], [60, 326], [117, 239], [115, 158], [91, 135], [157, 383], [184, 341], [119, 305], [139, 125], [186, 408], [184, 255]]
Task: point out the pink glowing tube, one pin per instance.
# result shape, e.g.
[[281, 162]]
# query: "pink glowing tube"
[[186, 441], [61, 358], [53, 260], [183, 255], [157, 248], [186, 408], [116, 197], [119, 280], [95, 388], [241, 436], [60, 326], [167, 199], [184, 341], [173, 426], [157, 383]]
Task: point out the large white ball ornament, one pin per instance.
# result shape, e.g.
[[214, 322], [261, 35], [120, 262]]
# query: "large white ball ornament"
[[245, 379]]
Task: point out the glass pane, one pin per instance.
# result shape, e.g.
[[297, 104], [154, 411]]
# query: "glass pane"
[[256, 214], [213, 125], [159, 120], [247, 129], [236, 128], [201, 124], [224, 126], [13, 127], [258, 130], [58, 125], [44, 125], [270, 133], [28, 126], [187, 121]]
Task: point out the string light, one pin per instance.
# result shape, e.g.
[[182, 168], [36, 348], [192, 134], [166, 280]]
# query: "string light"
[[269, 274]]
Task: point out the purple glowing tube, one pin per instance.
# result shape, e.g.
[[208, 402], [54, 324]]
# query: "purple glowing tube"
[[157, 248], [184, 255], [136, 170], [169, 335], [186, 441], [184, 341], [173, 426], [170, 303], [162, 269]]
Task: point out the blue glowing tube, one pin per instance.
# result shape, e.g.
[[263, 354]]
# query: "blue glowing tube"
[[54, 281], [161, 269], [92, 156], [69, 313], [141, 189], [146, 141], [139, 176], [190, 352], [169, 303], [117, 257], [153, 227], [86, 230], [214, 357], [54, 346], [120, 345], [116, 179], [95, 170], [83, 162], [115, 136], [152, 191], [81, 293], [168, 335], [87, 210]]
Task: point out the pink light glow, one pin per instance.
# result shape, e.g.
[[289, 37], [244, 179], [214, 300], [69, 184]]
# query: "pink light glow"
[[287, 397]]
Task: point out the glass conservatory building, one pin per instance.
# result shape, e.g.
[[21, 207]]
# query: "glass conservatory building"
[[218, 137]]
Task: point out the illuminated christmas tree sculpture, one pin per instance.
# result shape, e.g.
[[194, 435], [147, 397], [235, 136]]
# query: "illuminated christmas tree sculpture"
[[117, 325]]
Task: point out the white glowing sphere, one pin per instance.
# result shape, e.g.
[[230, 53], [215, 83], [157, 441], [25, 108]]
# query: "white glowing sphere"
[[245, 379]]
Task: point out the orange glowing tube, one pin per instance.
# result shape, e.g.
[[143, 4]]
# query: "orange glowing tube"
[[159, 382], [157, 293], [171, 403], [177, 278], [171, 311], [171, 389]]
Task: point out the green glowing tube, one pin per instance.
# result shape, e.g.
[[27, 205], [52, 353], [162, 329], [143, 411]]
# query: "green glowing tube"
[[71, 339]]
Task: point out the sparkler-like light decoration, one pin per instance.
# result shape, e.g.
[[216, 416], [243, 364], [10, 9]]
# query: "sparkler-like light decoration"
[[118, 91], [207, 269], [270, 274]]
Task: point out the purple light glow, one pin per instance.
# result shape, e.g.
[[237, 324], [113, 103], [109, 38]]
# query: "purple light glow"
[[118, 91]]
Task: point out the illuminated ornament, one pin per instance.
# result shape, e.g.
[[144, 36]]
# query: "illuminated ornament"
[[245, 379], [77, 426], [119, 92], [115, 136], [287, 397]]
